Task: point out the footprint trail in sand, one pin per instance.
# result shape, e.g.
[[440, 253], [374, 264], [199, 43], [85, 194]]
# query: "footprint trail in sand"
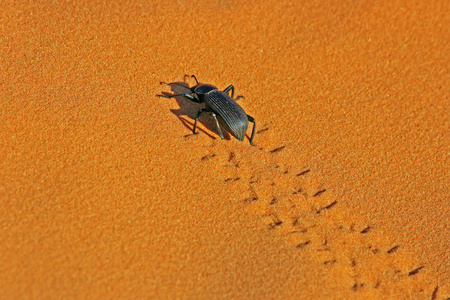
[[294, 202]]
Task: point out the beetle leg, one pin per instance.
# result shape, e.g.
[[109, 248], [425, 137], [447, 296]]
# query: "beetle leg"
[[251, 119], [170, 96], [196, 119], [188, 96], [218, 126], [231, 87]]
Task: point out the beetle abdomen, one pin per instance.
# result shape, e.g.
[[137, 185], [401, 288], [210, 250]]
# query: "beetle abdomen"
[[231, 116]]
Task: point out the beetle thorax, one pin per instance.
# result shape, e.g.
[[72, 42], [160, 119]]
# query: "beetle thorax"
[[204, 89]]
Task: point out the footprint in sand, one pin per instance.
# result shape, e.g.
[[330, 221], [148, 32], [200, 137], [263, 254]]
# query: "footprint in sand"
[[296, 204]]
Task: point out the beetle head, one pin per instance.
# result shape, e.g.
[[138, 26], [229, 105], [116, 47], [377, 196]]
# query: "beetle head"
[[203, 89]]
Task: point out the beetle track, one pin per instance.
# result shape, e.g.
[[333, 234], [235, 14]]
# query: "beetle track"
[[292, 205], [277, 149], [295, 204], [208, 157]]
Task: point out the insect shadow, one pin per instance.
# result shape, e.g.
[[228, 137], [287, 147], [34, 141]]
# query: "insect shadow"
[[190, 109]]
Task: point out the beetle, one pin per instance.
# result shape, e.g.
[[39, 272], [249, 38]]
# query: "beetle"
[[222, 107]]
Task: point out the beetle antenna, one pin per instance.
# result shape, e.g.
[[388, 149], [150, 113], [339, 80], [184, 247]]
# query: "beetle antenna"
[[190, 76], [193, 76]]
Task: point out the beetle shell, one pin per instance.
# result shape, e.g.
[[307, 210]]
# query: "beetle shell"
[[231, 116]]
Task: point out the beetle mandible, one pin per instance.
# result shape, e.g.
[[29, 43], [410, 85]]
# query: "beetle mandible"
[[221, 105]]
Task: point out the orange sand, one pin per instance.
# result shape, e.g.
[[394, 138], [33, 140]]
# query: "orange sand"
[[105, 193]]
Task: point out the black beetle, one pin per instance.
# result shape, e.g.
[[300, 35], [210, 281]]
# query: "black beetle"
[[221, 105]]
